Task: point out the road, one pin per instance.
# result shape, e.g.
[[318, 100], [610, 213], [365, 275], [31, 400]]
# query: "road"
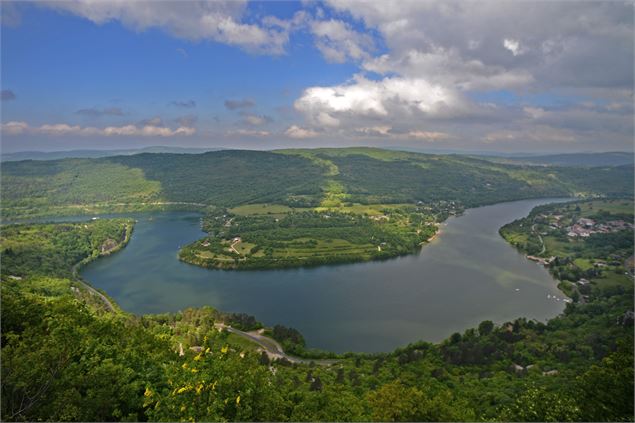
[[542, 242], [76, 276], [271, 347], [90, 289]]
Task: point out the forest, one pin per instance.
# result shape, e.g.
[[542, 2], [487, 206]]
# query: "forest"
[[296, 178], [67, 358]]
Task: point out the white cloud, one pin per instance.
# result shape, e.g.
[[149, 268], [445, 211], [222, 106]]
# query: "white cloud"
[[297, 132], [19, 128], [338, 42], [14, 128], [384, 99], [556, 44], [513, 46], [219, 21]]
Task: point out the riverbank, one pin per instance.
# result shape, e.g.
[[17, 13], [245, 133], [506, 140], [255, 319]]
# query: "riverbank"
[[309, 238], [468, 274], [110, 304]]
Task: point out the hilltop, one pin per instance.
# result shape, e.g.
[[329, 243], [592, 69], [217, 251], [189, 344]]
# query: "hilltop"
[[295, 178]]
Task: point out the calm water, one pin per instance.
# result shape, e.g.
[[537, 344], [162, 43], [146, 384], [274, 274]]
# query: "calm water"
[[467, 275]]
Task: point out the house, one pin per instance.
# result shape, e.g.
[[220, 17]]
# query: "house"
[[517, 368], [237, 239], [582, 282], [588, 223], [380, 217], [577, 230]]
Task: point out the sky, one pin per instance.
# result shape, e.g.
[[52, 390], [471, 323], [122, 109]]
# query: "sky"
[[522, 76]]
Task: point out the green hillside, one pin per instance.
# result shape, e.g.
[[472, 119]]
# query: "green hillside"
[[298, 178]]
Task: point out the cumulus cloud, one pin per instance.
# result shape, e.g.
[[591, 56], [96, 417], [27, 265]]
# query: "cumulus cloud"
[[14, 128], [338, 42], [19, 128], [439, 58], [297, 132], [513, 46], [446, 67], [95, 112], [389, 99], [239, 104], [219, 21], [6, 95], [186, 104], [577, 44]]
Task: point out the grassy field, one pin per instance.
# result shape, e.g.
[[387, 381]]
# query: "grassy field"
[[260, 209], [347, 234], [590, 208]]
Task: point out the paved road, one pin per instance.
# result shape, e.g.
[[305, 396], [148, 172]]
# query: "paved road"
[[90, 289], [272, 347]]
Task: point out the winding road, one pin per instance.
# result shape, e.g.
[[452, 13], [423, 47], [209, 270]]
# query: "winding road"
[[90, 289], [271, 347]]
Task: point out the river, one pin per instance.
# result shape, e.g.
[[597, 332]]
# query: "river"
[[466, 275]]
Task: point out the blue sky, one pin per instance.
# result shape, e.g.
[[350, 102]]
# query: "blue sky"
[[288, 74]]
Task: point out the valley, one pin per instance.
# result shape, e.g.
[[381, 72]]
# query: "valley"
[[344, 277]]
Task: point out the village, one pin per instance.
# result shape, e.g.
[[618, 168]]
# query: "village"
[[582, 226]]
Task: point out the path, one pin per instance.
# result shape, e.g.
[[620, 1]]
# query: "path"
[[231, 247], [272, 347], [542, 242]]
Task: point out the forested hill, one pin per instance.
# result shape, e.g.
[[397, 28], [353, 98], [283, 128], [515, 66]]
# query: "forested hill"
[[291, 177], [615, 158]]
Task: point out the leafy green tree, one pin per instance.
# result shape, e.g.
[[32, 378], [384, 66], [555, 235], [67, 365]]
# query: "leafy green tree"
[[538, 404], [607, 388], [485, 327]]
